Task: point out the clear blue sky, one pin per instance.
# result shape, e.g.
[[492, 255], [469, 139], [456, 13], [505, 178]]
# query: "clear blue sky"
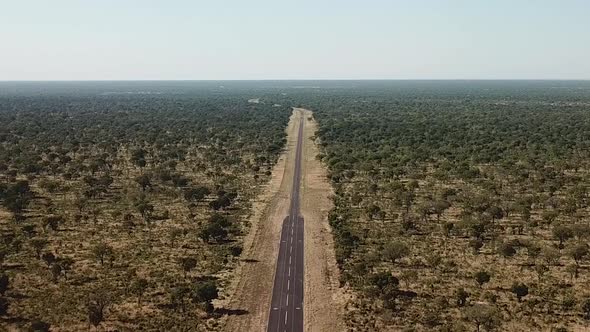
[[303, 39]]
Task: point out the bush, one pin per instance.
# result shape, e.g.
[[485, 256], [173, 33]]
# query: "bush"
[[520, 290], [482, 277], [187, 264], [507, 249], [205, 293], [483, 316], [395, 250], [461, 296], [4, 282], [102, 251], [4, 305], [585, 306], [39, 326], [476, 244]]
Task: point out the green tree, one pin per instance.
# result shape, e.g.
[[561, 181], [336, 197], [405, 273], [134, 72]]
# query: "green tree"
[[205, 292], [39, 326], [482, 277], [187, 264], [585, 306], [49, 258], [476, 245], [484, 316], [138, 288], [213, 231], [144, 207], [38, 245], [507, 249], [143, 181], [578, 252], [395, 250], [562, 233], [520, 290], [196, 194], [4, 305], [461, 296], [4, 283], [101, 251]]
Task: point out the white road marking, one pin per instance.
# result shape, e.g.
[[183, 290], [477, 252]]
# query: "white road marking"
[[289, 271], [288, 287], [298, 308], [291, 249], [290, 259], [287, 300], [286, 313]]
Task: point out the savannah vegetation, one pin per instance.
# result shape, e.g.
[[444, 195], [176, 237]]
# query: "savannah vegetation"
[[125, 209], [460, 206]]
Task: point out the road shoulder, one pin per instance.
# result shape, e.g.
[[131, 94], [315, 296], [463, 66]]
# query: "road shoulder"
[[323, 298], [248, 298]]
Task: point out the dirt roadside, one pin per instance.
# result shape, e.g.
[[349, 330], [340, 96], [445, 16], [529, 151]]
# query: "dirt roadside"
[[324, 300], [250, 294]]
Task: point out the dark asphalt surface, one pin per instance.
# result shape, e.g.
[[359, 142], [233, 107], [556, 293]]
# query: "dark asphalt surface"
[[286, 310]]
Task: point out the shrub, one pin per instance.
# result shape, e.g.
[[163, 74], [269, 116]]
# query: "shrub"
[[102, 251], [39, 326], [585, 306], [4, 305], [205, 293], [483, 316], [520, 290], [4, 283], [187, 264], [395, 250], [461, 296], [482, 277]]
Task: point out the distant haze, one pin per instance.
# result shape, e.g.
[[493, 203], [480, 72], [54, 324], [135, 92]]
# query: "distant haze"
[[304, 39]]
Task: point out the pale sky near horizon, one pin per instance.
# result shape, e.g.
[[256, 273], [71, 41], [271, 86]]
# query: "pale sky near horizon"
[[303, 39]]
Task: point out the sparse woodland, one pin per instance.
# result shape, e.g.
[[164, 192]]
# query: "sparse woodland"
[[125, 211], [461, 206]]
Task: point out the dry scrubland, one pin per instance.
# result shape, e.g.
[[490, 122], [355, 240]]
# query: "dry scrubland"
[[461, 206], [127, 211], [457, 206]]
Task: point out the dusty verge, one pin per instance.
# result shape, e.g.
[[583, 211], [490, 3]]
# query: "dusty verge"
[[248, 298], [324, 300]]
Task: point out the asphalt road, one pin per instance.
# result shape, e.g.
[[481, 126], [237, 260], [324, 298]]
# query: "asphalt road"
[[286, 310]]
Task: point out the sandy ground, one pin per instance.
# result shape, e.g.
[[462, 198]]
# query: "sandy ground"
[[324, 301], [250, 295]]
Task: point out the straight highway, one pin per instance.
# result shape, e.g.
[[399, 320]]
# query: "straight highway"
[[286, 310]]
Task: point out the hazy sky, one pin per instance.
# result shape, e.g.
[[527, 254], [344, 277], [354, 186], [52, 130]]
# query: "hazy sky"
[[303, 39]]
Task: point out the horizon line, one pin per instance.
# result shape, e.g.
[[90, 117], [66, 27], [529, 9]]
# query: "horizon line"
[[296, 79]]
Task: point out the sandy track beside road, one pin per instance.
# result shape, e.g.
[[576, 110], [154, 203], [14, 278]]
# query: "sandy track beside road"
[[252, 289], [323, 299]]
